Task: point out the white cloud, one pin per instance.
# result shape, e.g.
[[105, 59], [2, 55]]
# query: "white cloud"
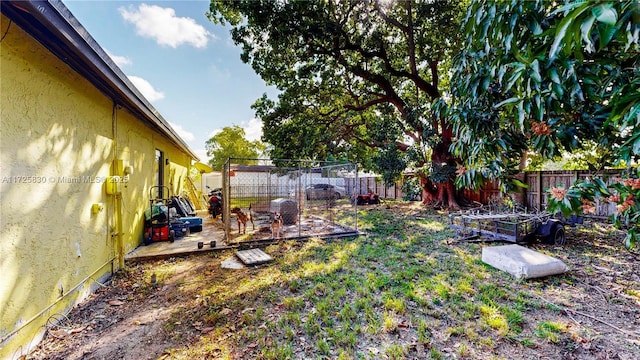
[[253, 129], [184, 134], [167, 29], [119, 60], [214, 132], [202, 155], [146, 89]]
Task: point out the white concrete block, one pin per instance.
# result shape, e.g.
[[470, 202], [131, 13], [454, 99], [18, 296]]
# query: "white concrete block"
[[521, 262]]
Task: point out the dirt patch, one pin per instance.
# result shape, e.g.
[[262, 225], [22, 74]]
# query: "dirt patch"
[[176, 308], [129, 318]]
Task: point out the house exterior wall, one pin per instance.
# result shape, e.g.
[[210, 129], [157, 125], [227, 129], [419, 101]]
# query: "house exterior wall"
[[61, 233]]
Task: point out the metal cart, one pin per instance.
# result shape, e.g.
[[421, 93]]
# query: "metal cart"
[[157, 216], [515, 226]]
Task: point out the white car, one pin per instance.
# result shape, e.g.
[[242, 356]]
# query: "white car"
[[324, 192]]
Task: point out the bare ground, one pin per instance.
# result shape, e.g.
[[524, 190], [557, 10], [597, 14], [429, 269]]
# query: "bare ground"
[[138, 317]]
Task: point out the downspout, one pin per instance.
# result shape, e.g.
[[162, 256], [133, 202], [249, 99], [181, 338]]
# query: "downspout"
[[116, 232]]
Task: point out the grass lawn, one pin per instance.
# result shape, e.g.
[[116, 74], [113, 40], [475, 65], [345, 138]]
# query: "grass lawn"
[[402, 291]]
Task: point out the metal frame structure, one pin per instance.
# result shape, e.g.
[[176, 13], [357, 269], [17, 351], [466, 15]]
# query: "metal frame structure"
[[515, 225], [263, 187]]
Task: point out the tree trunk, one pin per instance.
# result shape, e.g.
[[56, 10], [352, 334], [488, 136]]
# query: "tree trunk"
[[428, 190], [441, 194]]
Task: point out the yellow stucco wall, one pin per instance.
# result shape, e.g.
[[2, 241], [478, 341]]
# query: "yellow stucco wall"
[[136, 146], [56, 148]]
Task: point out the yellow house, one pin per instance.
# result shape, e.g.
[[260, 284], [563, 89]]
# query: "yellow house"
[[80, 149]]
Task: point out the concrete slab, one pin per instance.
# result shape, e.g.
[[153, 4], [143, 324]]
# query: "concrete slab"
[[212, 230], [253, 257], [231, 263], [521, 262]]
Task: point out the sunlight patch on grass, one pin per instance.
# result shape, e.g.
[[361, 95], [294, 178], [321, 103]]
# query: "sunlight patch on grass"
[[494, 319], [465, 287], [395, 304], [336, 260], [278, 352], [634, 294], [466, 256], [395, 352], [254, 283], [307, 250], [293, 303], [431, 225], [550, 330], [208, 347], [161, 272], [389, 323], [396, 286]]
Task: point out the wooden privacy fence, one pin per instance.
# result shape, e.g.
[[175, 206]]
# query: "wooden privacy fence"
[[363, 185], [535, 196], [539, 182]]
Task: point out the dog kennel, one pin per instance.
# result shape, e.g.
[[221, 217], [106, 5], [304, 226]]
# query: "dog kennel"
[[313, 198]]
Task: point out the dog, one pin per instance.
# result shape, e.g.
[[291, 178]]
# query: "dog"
[[243, 218], [276, 225]]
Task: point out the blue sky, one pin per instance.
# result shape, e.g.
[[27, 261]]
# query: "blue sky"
[[184, 64]]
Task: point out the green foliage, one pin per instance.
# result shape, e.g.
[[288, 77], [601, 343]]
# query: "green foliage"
[[549, 77], [357, 78], [231, 143], [411, 189], [580, 199], [390, 162]]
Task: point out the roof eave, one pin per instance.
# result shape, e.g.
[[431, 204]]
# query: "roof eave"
[[53, 25]]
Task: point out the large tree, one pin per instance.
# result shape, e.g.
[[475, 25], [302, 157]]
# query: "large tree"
[[548, 77], [358, 79], [230, 142]]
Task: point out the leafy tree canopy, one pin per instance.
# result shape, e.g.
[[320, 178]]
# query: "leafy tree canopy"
[[548, 77], [358, 79], [231, 143]]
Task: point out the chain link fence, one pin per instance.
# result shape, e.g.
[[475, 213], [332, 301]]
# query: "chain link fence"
[[287, 199]]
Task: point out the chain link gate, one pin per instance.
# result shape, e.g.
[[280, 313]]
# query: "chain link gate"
[[312, 199]]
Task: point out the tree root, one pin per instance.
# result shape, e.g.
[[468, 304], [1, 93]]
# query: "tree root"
[[567, 311]]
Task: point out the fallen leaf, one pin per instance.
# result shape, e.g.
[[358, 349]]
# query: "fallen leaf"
[[116, 303], [58, 334], [77, 330], [207, 330], [226, 311]]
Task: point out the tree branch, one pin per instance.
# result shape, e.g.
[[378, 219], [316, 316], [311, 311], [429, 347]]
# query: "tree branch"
[[411, 41], [365, 106], [390, 20]]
